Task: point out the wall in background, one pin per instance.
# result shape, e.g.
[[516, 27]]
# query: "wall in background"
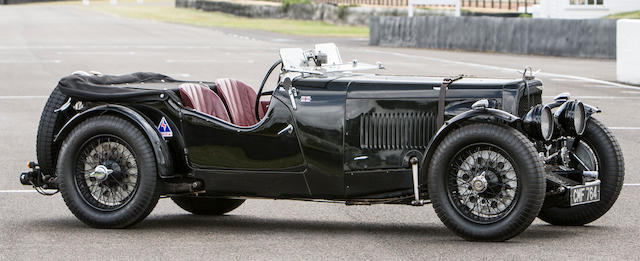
[[589, 38]]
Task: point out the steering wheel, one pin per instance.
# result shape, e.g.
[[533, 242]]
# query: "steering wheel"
[[260, 93]]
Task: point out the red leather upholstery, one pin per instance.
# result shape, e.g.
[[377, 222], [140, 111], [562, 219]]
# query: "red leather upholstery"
[[240, 99], [202, 99]]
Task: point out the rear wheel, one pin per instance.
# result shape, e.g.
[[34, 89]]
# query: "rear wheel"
[[107, 173], [603, 154], [207, 206], [486, 182]]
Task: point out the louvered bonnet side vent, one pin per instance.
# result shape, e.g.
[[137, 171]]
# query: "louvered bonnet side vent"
[[396, 130]]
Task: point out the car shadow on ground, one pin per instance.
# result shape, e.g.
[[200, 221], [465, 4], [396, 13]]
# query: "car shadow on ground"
[[250, 225]]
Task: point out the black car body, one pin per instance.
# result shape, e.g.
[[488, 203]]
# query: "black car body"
[[350, 137]]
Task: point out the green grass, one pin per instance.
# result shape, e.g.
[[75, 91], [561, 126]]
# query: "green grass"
[[286, 3], [625, 15], [217, 19]]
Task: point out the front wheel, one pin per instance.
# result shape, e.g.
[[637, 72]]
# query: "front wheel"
[[107, 173], [604, 151], [486, 182]]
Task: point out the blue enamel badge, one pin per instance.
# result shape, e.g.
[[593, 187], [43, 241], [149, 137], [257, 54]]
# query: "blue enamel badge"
[[164, 128]]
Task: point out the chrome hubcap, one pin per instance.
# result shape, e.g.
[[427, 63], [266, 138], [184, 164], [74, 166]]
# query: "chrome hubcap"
[[479, 184], [100, 173], [483, 183], [107, 172]]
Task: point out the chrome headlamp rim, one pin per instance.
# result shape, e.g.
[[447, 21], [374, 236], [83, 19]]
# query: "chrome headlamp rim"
[[579, 118], [546, 123], [539, 122], [571, 117]]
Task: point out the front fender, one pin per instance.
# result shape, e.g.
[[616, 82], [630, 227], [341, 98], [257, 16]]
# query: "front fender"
[[474, 115], [160, 147], [590, 110]]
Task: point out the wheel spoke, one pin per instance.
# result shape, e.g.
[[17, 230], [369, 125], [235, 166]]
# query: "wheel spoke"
[[120, 182], [494, 197]]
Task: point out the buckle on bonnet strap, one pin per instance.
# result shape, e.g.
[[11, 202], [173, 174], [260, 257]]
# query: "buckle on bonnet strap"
[[443, 94]]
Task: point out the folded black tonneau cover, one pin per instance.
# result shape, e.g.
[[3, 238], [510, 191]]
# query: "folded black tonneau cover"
[[138, 86]]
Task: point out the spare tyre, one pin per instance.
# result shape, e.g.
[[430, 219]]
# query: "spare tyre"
[[50, 123]]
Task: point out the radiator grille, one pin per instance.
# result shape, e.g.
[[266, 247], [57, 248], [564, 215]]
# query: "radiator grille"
[[396, 130], [526, 103]]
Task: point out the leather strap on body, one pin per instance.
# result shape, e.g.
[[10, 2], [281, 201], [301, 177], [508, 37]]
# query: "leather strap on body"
[[443, 94]]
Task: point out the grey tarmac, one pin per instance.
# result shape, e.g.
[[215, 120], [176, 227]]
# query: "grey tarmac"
[[41, 43]]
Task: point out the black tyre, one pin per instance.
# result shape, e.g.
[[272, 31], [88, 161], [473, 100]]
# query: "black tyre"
[[50, 122], [107, 173], [610, 164], [207, 206], [486, 182]]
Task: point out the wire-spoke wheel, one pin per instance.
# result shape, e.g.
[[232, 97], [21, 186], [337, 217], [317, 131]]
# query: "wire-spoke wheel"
[[483, 184], [486, 182], [598, 150], [107, 173]]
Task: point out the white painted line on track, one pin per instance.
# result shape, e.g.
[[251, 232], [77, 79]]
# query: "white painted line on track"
[[485, 66], [195, 61], [600, 97], [23, 97], [624, 128], [207, 61], [98, 52], [25, 61], [177, 46], [564, 80]]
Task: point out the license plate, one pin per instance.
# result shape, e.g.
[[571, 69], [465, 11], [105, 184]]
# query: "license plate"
[[584, 194]]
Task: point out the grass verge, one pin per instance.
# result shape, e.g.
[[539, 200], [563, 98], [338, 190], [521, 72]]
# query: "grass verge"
[[625, 15], [217, 19]]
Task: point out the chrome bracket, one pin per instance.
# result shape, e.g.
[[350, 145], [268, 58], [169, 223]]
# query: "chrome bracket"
[[292, 95], [64, 106], [288, 129], [416, 191]]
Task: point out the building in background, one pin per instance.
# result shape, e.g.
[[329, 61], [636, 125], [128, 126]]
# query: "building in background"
[[582, 9]]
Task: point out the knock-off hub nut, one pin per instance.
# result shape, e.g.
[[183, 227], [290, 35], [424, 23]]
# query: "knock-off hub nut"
[[479, 184]]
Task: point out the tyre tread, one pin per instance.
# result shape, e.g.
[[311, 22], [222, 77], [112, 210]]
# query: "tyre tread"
[[584, 214], [146, 200], [536, 195], [50, 122]]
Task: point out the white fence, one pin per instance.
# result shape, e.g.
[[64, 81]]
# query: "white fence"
[[456, 3]]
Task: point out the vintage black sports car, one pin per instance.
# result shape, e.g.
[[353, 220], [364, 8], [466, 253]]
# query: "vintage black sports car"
[[486, 152]]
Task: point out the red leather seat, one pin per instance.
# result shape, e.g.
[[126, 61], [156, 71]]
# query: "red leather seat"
[[202, 99], [240, 99]]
